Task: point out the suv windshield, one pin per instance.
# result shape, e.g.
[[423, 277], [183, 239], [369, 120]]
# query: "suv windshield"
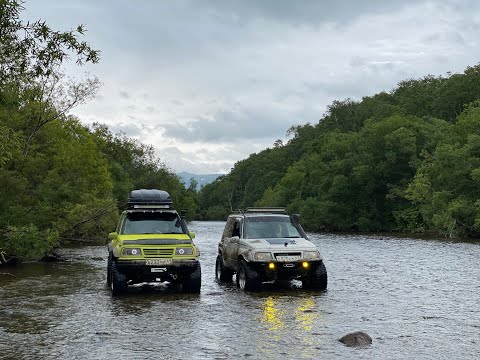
[[152, 223], [257, 227]]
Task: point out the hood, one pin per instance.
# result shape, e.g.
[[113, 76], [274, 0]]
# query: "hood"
[[281, 244], [154, 238]]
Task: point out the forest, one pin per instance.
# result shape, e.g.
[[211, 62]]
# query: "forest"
[[61, 181], [407, 160]]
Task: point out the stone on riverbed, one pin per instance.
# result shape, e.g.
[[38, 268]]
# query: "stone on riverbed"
[[356, 339]]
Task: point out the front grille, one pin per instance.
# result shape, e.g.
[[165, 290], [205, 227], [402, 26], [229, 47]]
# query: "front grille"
[[158, 252], [288, 254]]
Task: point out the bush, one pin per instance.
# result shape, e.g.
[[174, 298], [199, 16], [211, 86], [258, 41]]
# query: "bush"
[[28, 242]]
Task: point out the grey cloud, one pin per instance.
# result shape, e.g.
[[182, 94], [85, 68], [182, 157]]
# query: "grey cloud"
[[333, 90], [229, 125], [131, 129], [454, 37], [241, 72], [208, 160], [177, 102], [311, 12], [124, 94]]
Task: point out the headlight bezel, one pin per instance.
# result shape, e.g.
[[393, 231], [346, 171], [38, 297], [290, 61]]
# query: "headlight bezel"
[[184, 251], [262, 256], [130, 251], [311, 255]]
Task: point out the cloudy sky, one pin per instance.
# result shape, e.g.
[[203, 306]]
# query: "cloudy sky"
[[208, 82]]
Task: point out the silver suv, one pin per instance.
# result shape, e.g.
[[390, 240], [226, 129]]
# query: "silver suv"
[[266, 244]]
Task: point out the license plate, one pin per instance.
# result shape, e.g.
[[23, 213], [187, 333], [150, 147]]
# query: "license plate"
[[153, 262], [158, 270], [288, 258]]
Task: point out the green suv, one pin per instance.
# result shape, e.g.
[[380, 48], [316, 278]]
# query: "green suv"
[[152, 244], [266, 244]]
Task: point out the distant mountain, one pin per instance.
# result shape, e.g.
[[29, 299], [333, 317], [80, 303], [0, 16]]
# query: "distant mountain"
[[201, 179]]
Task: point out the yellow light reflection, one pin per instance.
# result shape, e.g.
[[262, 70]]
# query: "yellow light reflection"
[[272, 316], [292, 318], [305, 315]]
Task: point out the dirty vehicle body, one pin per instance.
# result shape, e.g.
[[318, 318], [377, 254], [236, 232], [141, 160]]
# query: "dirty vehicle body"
[[266, 244], [152, 244]]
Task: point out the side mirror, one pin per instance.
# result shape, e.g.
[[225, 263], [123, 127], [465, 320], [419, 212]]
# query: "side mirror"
[[192, 235], [112, 235]]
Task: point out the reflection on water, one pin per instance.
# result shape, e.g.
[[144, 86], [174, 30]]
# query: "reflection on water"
[[287, 318], [272, 316], [417, 299]]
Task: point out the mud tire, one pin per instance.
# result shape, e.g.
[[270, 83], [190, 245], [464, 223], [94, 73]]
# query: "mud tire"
[[317, 280], [118, 281], [247, 279], [222, 273], [193, 282]]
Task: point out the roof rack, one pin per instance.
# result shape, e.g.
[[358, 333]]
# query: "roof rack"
[[149, 199], [269, 210]]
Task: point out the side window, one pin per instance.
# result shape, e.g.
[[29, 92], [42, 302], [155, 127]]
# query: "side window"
[[227, 233], [236, 228]]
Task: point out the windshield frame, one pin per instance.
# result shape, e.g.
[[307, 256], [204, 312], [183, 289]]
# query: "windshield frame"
[[282, 227], [154, 222]]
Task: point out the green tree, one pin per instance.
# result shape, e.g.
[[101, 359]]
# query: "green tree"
[[446, 186], [29, 50]]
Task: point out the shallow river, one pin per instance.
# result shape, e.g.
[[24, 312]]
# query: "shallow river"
[[418, 299]]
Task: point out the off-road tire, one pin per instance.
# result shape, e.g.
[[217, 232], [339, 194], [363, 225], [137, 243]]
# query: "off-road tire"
[[222, 273], [247, 279], [193, 282], [316, 280], [118, 281]]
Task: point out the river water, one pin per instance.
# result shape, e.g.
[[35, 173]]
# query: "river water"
[[418, 299]]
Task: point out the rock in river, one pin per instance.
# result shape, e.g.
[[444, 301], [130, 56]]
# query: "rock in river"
[[356, 339]]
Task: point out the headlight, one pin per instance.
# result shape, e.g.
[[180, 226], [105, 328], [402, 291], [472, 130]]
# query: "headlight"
[[311, 255], [184, 251], [262, 256], [131, 251]]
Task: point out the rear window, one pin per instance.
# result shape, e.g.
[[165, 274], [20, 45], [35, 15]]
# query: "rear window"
[[266, 227], [152, 223]]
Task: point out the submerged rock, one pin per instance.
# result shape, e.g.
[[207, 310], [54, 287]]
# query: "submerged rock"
[[356, 339]]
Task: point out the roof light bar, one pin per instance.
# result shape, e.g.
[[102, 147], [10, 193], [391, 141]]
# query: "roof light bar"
[[142, 206]]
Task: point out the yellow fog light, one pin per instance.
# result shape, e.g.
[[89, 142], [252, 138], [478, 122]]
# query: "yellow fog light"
[[271, 266], [305, 265]]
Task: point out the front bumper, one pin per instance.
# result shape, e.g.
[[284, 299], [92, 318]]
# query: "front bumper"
[[282, 270], [137, 271]]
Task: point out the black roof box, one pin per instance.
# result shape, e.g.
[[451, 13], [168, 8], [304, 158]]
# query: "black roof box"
[[149, 198]]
